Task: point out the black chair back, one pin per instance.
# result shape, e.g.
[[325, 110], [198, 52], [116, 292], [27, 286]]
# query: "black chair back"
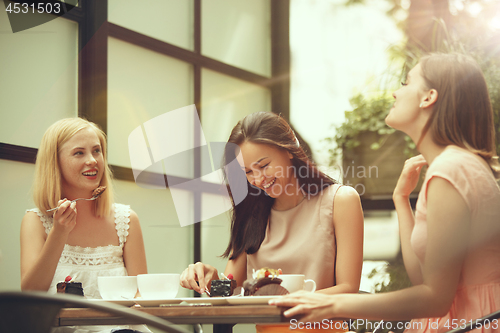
[[35, 312]]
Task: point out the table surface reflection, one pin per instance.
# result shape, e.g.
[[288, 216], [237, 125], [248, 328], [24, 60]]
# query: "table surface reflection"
[[223, 316]]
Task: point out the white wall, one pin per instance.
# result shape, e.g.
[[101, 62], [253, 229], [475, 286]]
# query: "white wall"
[[15, 179], [168, 246], [335, 51]]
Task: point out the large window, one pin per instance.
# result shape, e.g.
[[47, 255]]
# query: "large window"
[[120, 63]]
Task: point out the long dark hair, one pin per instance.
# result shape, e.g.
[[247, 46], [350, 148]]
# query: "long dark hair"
[[249, 218], [463, 114]]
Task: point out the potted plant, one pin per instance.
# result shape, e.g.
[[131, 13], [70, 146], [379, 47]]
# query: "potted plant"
[[373, 154]]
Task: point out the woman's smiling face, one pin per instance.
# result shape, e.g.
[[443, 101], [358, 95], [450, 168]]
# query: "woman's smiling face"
[[81, 162], [267, 168]]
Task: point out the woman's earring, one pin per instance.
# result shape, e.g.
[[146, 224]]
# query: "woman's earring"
[[421, 105]]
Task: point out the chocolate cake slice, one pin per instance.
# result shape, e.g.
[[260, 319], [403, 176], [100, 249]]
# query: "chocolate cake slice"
[[220, 288], [265, 286], [69, 287], [271, 289], [74, 288]]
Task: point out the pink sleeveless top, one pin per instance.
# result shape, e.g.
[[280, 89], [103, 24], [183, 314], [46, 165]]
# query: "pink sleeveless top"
[[478, 291], [301, 240]]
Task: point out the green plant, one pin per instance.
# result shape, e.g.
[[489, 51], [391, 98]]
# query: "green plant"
[[368, 115], [398, 279], [369, 111], [447, 27]]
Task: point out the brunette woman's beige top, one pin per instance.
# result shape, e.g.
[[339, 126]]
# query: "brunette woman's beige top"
[[301, 240]]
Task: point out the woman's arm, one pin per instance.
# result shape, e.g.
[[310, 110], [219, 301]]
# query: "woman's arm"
[[348, 224], [448, 228], [237, 267], [134, 254], [406, 184], [39, 254]]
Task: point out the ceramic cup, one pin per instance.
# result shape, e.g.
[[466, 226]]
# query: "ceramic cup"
[[296, 282], [117, 287], [158, 286]]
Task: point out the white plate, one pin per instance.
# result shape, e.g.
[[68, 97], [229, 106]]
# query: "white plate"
[[124, 302], [250, 300], [157, 302], [206, 300], [141, 301]]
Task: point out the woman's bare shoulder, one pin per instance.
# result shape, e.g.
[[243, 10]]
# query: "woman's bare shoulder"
[[31, 221], [31, 217], [347, 194]]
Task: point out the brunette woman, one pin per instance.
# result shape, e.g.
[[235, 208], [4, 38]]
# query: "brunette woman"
[[450, 246], [294, 217]]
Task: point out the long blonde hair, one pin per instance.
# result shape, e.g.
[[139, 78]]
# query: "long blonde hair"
[[462, 114], [47, 187]]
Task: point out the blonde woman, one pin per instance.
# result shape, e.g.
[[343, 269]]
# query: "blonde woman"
[[83, 239], [451, 245]]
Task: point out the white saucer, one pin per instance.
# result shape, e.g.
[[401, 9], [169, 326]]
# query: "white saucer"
[[124, 302], [141, 301], [157, 302], [205, 300], [250, 300]]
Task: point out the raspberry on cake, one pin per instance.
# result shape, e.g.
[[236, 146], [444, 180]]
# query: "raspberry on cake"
[[266, 272], [265, 282], [222, 287], [70, 287]]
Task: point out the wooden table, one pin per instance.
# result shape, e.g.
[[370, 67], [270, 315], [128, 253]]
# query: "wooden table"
[[223, 317]]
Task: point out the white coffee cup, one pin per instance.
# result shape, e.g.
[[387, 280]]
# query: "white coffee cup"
[[158, 286], [117, 287], [296, 282]]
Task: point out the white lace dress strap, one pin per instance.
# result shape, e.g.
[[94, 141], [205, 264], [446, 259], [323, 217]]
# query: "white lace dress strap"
[[47, 221], [122, 221]]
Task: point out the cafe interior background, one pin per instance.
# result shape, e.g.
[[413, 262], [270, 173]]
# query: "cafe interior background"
[[121, 63]]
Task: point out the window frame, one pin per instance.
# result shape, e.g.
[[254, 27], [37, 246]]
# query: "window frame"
[[94, 29]]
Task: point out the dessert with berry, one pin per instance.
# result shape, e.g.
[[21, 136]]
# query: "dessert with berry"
[[70, 287], [264, 282], [223, 287]]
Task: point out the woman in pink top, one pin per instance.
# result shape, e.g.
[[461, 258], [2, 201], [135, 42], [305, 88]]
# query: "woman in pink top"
[[450, 247], [294, 217]]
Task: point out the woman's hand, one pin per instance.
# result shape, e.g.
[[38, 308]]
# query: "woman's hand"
[[65, 217], [200, 272], [409, 176], [307, 306]]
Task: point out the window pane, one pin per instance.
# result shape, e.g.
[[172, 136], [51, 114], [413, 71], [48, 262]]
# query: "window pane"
[[240, 36], [224, 101], [214, 236], [162, 233], [142, 84], [39, 74], [16, 181], [171, 21]]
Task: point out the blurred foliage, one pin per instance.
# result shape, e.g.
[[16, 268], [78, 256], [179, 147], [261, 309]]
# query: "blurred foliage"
[[460, 26], [368, 115], [464, 27], [398, 279]]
